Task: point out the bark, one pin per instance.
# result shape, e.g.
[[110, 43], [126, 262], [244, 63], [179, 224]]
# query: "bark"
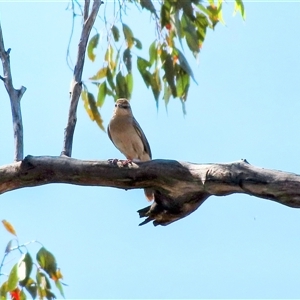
[[180, 187]]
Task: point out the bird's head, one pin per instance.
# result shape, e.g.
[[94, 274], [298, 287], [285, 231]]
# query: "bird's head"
[[122, 107]]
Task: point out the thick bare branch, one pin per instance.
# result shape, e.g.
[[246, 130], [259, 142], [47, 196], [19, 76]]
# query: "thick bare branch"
[[180, 188], [15, 99], [77, 75]]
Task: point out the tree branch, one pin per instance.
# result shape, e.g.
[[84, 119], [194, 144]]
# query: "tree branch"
[[77, 75], [180, 187], [15, 99]]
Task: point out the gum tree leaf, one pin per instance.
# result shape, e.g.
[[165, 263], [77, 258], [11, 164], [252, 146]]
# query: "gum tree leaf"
[[239, 6], [138, 43], [185, 65], [116, 33], [3, 290], [109, 57], [110, 80], [9, 227], [156, 84], [169, 73], [152, 53], [46, 259], [102, 90], [149, 6], [93, 43], [95, 117], [59, 287], [13, 278], [100, 74], [182, 85], [142, 65], [128, 35], [121, 87], [167, 93], [129, 83], [31, 287], [127, 59], [26, 263]]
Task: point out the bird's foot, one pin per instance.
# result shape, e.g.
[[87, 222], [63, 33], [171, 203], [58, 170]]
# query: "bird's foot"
[[120, 162], [113, 161]]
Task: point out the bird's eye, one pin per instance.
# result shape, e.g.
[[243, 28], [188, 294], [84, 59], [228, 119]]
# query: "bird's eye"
[[116, 105]]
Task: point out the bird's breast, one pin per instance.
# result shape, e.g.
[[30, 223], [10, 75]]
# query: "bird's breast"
[[126, 138]]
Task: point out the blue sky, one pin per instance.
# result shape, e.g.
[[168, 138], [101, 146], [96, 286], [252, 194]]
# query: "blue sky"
[[246, 105]]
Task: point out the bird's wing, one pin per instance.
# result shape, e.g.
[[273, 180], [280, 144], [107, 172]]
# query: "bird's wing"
[[108, 132], [141, 134]]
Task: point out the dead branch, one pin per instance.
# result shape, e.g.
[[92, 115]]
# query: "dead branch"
[[76, 86], [15, 99], [180, 187]]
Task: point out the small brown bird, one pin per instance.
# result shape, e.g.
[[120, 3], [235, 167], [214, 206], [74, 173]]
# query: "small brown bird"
[[127, 135]]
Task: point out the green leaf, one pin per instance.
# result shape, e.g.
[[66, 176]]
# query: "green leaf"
[[3, 290], [149, 6], [110, 80], [156, 84], [109, 57], [93, 43], [129, 83], [178, 28], [186, 5], [142, 65], [116, 33], [50, 295], [121, 88], [202, 23], [100, 74], [101, 94], [239, 6], [165, 18], [127, 60], [47, 261], [13, 278], [182, 85], [138, 43], [22, 295], [25, 268], [84, 96], [94, 112], [167, 93], [43, 285], [190, 35], [152, 53], [184, 64], [109, 92], [59, 287], [169, 73], [31, 287], [128, 35]]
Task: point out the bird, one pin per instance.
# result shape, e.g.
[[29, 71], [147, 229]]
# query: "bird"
[[128, 137]]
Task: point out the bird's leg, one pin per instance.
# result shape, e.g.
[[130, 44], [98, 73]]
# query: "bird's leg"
[[126, 162]]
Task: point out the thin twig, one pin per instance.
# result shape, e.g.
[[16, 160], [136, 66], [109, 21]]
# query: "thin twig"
[[76, 86], [15, 99]]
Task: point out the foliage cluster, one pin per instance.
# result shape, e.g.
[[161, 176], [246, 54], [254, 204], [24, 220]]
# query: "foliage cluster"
[[20, 280], [166, 70]]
